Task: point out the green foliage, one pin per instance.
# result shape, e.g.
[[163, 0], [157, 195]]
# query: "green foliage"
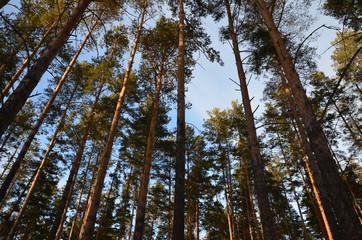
[[347, 11]]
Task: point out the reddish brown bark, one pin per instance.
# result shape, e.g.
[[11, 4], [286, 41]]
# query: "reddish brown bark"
[[87, 229], [179, 203], [338, 207], [305, 146], [3, 3], [145, 176], [9, 178], [257, 160]]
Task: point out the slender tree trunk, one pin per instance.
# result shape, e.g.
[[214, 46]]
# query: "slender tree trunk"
[[257, 160], [244, 201], [356, 205], [289, 177], [169, 217], [252, 220], [179, 203], [305, 146], [132, 213], [41, 167], [314, 202], [305, 231], [189, 234], [231, 196], [79, 201], [29, 140], [5, 91], [100, 230], [342, 218], [197, 219], [18, 98], [145, 177], [126, 202], [87, 228], [57, 226], [228, 214], [259, 233]]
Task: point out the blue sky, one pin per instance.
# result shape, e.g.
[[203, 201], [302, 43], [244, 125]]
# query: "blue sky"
[[211, 85], [212, 88]]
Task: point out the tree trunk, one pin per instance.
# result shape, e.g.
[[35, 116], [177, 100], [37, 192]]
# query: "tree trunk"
[[29, 140], [306, 148], [314, 202], [3, 3], [250, 215], [85, 177], [87, 228], [257, 160], [132, 212], [343, 220], [18, 98], [197, 219], [41, 167], [57, 226], [231, 197], [356, 205], [145, 177], [5, 91], [228, 211], [125, 202], [305, 231], [179, 203], [189, 233]]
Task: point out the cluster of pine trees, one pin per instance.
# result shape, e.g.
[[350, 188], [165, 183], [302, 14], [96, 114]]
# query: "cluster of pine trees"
[[88, 89]]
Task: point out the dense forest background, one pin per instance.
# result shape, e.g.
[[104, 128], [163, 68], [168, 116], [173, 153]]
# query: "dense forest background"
[[94, 142]]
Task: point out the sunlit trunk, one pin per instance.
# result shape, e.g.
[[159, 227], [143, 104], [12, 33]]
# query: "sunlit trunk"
[[338, 207], [87, 229], [179, 203], [266, 216]]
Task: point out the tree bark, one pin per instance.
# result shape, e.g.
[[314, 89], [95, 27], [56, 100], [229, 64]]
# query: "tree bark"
[[9, 178], [3, 3], [305, 146], [145, 176], [257, 160], [197, 219], [179, 203], [18, 98], [87, 229], [57, 226], [227, 205], [343, 220], [125, 202], [80, 195]]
